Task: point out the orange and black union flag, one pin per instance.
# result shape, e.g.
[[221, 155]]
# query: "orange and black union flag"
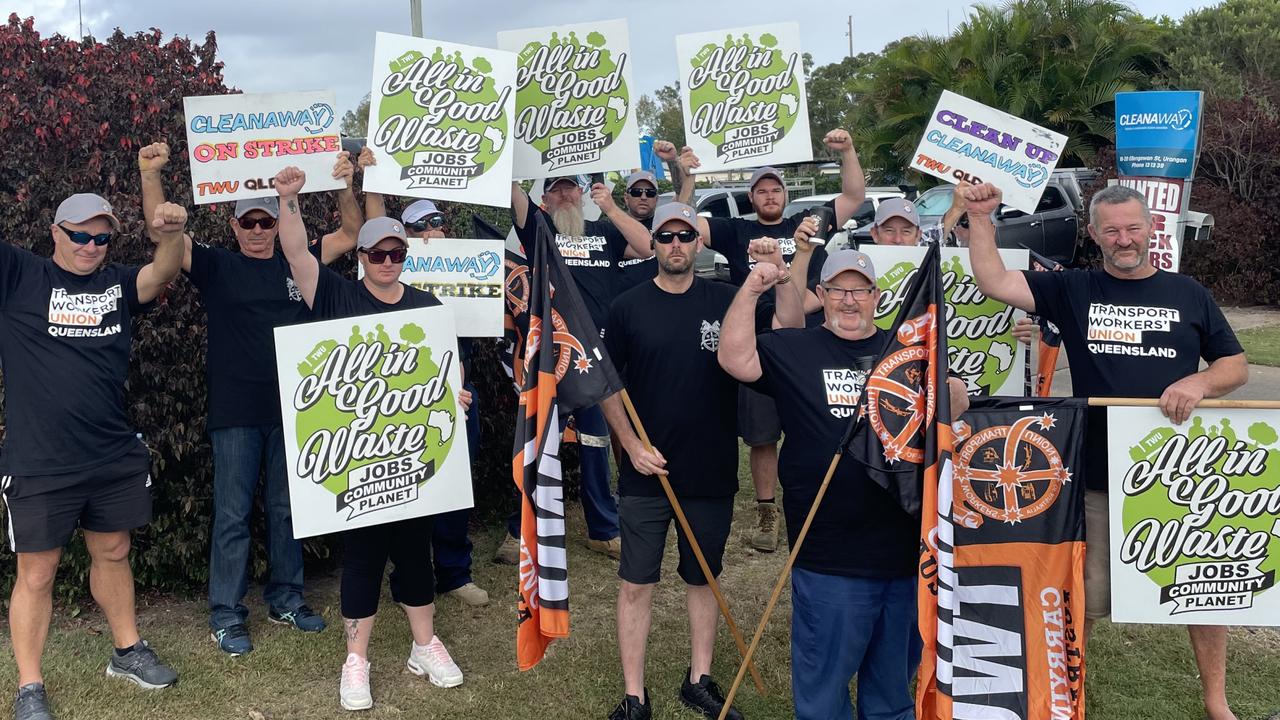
[[563, 368], [1050, 342]]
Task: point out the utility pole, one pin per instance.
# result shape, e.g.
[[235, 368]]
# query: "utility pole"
[[850, 34], [415, 17], [80, 13]]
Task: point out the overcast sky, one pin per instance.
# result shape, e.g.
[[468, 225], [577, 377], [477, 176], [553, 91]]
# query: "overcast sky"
[[272, 45]]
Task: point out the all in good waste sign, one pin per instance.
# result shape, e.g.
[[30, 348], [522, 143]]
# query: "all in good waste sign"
[[574, 112], [237, 143], [1195, 517], [1157, 133], [440, 120], [980, 338], [966, 140], [372, 428], [743, 96], [466, 275]]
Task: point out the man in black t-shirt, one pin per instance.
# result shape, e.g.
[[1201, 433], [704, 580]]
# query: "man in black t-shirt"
[[853, 585], [247, 294], [731, 237], [70, 458], [591, 250], [663, 336], [1179, 324]]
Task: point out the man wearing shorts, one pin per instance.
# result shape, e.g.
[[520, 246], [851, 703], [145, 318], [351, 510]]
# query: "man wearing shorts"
[[71, 458]]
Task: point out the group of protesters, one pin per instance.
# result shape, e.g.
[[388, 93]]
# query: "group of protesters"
[[706, 362]]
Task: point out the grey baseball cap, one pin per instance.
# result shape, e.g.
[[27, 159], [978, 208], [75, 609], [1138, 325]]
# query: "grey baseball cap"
[[897, 207], [765, 172], [578, 180], [419, 210], [844, 260], [378, 229], [640, 175], [83, 207], [268, 205], [674, 211]]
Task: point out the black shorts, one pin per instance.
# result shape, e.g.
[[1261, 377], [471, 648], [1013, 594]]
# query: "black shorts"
[[758, 423], [108, 498], [643, 522]]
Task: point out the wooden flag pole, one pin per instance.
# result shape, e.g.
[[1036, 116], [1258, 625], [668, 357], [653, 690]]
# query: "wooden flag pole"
[[1208, 403], [697, 552]]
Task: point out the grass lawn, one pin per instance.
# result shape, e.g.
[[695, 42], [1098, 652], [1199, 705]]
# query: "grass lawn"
[[1261, 345], [1135, 672]]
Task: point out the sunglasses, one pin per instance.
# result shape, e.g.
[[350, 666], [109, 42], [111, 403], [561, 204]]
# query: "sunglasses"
[[643, 192], [666, 237], [248, 223], [377, 257], [435, 222], [84, 238], [839, 294]]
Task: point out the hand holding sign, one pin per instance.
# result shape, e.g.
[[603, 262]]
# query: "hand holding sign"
[[366, 158], [153, 157], [601, 196], [688, 160], [343, 169], [289, 181]]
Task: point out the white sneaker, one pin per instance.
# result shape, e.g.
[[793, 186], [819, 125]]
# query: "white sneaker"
[[354, 690], [434, 662]]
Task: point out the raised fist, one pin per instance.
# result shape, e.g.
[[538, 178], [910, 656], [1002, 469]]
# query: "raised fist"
[[838, 140], [763, 276], [153, 157], [664, 150], [981, 200], [289, 181], [169, 219]]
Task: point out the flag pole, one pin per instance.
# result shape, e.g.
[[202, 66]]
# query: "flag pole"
[[697, 552], [1208, 403], [786, 569]]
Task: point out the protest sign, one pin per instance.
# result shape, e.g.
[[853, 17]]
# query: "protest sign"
[[372, 428], [574, 108], [237, 143], [1195, 516], [980, 339], [440, 119], [1158, 132], [966, 140], [1165, 198], [743, 96], [467, 275]]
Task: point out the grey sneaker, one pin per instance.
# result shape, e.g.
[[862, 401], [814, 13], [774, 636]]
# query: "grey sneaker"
[[31, 703], [142, 666]]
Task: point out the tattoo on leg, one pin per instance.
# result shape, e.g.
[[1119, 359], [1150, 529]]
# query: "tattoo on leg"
[[353, 630]]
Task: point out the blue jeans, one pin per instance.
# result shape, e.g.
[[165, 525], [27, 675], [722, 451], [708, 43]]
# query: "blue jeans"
[[450, 543], [599, 506], [842, 626], [240, 456]]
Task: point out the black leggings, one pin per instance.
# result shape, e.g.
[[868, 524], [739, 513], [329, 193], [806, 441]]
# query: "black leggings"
[[408, 544]]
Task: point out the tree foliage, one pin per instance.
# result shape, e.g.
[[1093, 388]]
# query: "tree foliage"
[[660, 115]]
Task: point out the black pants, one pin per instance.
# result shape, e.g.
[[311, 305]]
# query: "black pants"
[[408, 544]]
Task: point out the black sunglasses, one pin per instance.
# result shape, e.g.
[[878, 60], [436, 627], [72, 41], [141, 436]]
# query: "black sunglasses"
[[435, 222], [377, 257], [83, 238], [643, 192], [666, 237], [249, 223]]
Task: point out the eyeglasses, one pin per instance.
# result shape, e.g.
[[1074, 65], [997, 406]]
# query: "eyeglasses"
[[666, 237], [83, 238], [839, 294], [249, 223], [643, 192], [435, 222], [377, 257]]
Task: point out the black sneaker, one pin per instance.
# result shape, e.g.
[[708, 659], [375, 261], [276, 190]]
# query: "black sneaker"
[[632, 709], [705, 697], [304, 619], [142, 666], [33, 704]]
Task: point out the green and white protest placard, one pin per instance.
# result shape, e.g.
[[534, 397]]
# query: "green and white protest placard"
[[966, 140], [372, 428], [743, 96], [440, 119], [467, 275], [237, 143], [1195, 516], [574, 108], [980, 338]]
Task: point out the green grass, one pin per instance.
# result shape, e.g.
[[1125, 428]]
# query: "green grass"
[[1135, 672], [1261, 345]]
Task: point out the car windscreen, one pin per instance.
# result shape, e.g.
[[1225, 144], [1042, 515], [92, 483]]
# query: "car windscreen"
[[935, 201], [796, 206]]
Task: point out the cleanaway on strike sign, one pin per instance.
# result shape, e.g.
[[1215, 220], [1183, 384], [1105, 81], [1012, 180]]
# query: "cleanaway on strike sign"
[[966, 140], [1195, 517], [372, 428], [237, 143], [574, 112], [743, 96], [440, 120], [466, 275]]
